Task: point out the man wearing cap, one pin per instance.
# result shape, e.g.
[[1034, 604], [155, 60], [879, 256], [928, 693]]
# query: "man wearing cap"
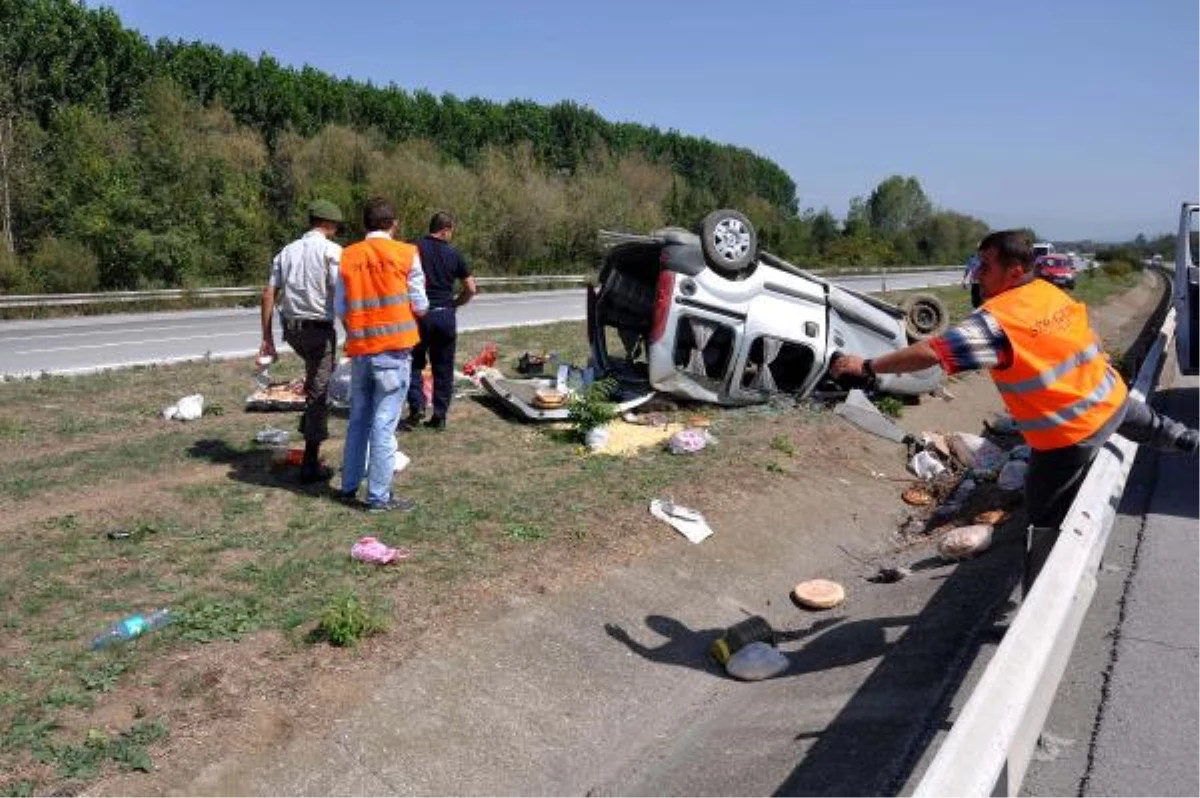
[[301, 285]]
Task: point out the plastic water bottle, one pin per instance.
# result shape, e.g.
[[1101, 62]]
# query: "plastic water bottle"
[[133, 627], [262, 378]]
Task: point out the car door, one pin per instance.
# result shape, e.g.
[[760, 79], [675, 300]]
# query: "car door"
[[783, 342], [1187, 290]]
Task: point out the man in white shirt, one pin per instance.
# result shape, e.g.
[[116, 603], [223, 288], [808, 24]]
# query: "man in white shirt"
[[301, 286]]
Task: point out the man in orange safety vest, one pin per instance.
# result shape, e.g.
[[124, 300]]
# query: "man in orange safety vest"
[[1064, 395]]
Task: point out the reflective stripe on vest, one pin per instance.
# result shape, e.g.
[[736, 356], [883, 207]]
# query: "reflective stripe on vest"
[[377, 302], [1060, 389], [378, 316]]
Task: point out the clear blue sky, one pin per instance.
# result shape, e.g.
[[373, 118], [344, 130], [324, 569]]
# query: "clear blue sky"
[[1078, 118]]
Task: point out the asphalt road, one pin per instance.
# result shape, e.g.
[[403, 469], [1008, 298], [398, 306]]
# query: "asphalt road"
[[1125, 720], [86, 344]]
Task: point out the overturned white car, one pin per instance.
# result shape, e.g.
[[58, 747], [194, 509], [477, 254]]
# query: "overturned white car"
[[709, 317]]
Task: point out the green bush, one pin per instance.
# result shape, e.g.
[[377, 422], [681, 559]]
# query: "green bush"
[[65, 266], [347, 619], [592, 407], [1118, 268], [14, 276]]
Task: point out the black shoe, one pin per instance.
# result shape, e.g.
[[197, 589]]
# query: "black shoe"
[[1188, 442], [436, 423], [345, 496], [397, 504], [312, 475]]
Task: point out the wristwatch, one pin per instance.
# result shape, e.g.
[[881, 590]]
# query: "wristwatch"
[[867, 369]]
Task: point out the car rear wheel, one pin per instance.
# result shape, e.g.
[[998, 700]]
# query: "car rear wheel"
[[729, 242], [924, 316]]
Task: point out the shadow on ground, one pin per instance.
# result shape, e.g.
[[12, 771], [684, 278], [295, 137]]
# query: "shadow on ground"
[[254, 467], [877, 738]]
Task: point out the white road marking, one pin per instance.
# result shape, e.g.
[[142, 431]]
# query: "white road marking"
[[204, 337]]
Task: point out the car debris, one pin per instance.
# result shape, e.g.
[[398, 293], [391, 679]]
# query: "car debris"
[[859, 411]]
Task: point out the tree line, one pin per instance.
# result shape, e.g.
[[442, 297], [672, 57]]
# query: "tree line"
[[131, 164]]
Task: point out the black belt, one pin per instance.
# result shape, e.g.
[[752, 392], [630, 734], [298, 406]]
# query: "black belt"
[[303, 324], [440, 307]]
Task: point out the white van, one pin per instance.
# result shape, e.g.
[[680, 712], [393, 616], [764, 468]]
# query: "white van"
[[1044, 248]]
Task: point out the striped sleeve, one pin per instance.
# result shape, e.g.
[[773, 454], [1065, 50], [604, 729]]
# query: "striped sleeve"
[[977, 342]]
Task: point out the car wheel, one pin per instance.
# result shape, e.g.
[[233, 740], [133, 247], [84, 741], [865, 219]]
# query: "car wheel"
[[924, 316], [729, 242]]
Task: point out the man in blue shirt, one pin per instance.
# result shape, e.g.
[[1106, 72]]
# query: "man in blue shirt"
[[971, 274], [443, 265]]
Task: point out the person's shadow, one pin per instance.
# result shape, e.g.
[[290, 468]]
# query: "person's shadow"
[[848, 643], [255, 467]]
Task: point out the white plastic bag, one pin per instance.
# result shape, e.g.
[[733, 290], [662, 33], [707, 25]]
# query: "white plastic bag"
[[686, 521], [925, 465], [189, 408], [976, 452], [339, 385], [596, 438], [756, 661], [965, 542], [689, 440]]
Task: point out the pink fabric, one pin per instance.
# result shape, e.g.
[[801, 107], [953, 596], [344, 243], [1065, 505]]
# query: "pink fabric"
[[371, 550]]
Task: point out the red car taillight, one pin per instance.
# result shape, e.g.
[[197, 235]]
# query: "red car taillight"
[[662, 304]]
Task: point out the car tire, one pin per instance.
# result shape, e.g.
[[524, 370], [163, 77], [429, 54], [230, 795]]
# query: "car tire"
[[729, 241], [924, 316]]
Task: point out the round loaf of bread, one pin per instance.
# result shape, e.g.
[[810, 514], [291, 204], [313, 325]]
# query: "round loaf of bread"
[[818, 594], [917, 496]]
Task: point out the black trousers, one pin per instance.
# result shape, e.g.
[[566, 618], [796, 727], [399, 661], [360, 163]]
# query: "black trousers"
[[439, 339], [1054, 477], [317, 345]]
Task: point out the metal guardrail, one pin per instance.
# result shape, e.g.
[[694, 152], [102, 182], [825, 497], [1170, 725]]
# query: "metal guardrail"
[[175, 294], [989, 747]]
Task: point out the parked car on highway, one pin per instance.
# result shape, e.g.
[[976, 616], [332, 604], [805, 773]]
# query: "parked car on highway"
[[1186, 289], [1057, 269]]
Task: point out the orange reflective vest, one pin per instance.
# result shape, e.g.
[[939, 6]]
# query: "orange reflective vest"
[[1060, 388], [378, 315]]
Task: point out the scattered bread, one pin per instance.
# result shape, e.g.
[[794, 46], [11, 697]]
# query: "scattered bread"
[[992, 517], [965, 542], [917, 496], [548, 398], [818, 594]]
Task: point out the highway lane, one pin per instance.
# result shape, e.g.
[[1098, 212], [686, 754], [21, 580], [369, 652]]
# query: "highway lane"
[[1126, 720], [93, 343]]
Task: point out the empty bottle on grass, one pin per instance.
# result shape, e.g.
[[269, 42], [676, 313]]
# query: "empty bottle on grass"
[[133, 627]]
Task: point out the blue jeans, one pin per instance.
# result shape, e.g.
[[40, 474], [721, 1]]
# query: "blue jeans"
[[377, 387]]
